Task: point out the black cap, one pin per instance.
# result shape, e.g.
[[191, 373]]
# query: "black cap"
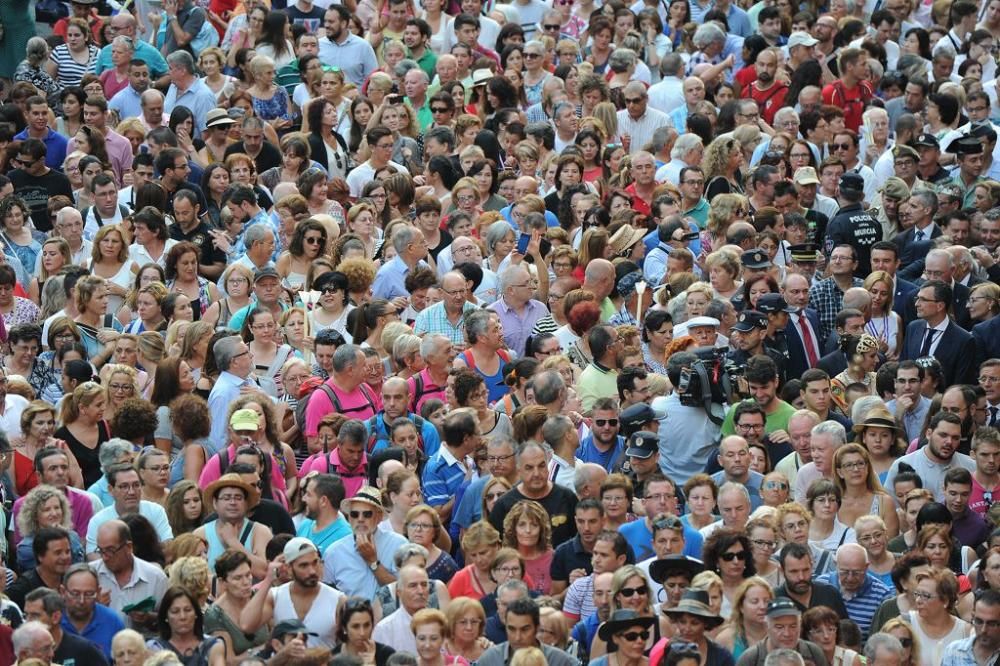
[[770, 303], [852, 181], [755, 258], [286, 627], [265, 273], [81, 371], [966, 145], [782, 606], [642, 444], [749, 320], [928, 140], [983, 130], [804, 252], [639, 414]]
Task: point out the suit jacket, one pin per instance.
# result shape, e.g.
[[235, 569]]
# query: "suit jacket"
[[956, 351], [906, 294], [833, 363], [798, 361], [986, 337], [959, 305], [912, 250]]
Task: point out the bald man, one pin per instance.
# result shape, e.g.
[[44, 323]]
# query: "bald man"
[[637, 121], [599, 279], [523, 186], [863, 592], [644, 181]]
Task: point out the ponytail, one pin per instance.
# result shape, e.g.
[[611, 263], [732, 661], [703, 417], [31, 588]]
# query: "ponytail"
[[366, 318]]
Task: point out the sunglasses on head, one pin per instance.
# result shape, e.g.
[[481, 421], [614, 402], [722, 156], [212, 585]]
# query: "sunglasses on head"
[[361, 514]]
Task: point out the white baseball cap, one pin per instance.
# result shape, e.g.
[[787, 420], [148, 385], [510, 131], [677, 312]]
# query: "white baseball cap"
[[801, 38]]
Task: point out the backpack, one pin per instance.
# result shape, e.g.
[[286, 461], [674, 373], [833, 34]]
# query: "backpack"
[[373, 439], [97, 216], [419, 391]]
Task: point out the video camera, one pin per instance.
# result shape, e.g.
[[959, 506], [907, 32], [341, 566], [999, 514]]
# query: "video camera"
[[711, 382]]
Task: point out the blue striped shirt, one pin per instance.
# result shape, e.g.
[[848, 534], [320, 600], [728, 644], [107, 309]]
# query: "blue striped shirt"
[[862, 606], [444, 475], [435, 320]]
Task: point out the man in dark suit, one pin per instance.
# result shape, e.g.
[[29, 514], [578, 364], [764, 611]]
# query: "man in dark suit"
[[935, 334], [987, 339], [885, 257], [802, 327], [915, 242], [940, 265]]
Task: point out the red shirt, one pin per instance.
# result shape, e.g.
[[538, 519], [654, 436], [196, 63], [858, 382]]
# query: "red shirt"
[[769, 100], [852, 100], [639, 204]]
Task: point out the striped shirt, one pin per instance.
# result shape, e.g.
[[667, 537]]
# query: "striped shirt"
[[862, 606], [70, 71], [434, 320], [444, 476]]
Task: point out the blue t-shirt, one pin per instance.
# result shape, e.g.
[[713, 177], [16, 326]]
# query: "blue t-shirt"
[[327, 536], [640, 539], [101, 630], [588, 452]]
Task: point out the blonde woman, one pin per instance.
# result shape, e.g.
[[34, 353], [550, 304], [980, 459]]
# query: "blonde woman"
[[903, 632], [884, 325], [84, 428], [630, 589], [54, 255], [721, 165], [122, 383], [211, 62], [861, 492], [466, 622], [237, 283], [270, 101], [724, 210], [984, 302], [128, 648], [747, 621], [723, 273]]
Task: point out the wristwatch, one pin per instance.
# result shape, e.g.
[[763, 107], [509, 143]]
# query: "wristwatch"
[[373, 566]]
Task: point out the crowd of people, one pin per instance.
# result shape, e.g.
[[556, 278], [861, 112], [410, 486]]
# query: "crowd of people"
[[529, 333]]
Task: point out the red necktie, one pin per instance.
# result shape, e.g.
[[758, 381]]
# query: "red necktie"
[[807, 341]]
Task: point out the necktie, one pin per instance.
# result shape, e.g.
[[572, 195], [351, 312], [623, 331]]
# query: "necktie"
[[993, 415], [807, 341], [928, 339], [920, 235]]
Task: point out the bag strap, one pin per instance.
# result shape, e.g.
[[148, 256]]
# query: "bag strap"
[[246, 531]]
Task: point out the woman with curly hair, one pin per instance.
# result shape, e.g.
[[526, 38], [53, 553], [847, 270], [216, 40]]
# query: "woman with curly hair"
[[862, 359], [723, 268], [721, 165], [44, 506], [121, 383], [728, 553], [527, 528], [181, 271], [360, 277], [190, 424], [17, 233], [724, 209]]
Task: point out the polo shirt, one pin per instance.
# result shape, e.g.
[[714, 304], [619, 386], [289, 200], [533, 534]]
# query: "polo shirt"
[[394, 631], [127, 103], [100, 630], [147, 581], [640, 540], [354, 56], [143, 51], [776, 420], [568, 557], [443, 476], [823, 594], [427, 61], [327, 536], [345, 570], [931, 472], [596, 382], [862, 605], [752, 485], [198, 98], [55, 147]]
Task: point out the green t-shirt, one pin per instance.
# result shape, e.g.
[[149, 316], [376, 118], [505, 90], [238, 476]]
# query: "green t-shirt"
[[777, 420]]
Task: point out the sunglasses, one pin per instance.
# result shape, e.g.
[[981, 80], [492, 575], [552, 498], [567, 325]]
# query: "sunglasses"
[[840, 146], [313, 240], [634, 635], [600, 423], [629, 592], [440, 109], [549, 26], [730, 557], [361, 514]]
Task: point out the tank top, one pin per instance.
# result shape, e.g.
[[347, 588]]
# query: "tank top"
[[321, 619], [494, 383], [931, 649], [215, 545]]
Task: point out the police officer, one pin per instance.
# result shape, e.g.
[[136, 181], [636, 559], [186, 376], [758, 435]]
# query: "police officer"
[[752, 327], [852, 225], [755, 264]]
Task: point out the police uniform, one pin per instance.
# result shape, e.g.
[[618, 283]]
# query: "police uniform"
[[749, 320], [966, 145], [756, 259], [942, 175], [854, 226]]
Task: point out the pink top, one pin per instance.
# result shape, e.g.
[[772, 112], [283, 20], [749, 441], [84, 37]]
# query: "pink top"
[[428, 391], [539, 570], [353, 479], [211, 472], [354, 405]]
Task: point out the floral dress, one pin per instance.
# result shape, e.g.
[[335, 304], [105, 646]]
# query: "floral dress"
[[271, 109], [39, 78]]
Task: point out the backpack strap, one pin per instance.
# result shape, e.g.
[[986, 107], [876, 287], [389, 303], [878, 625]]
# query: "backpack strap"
[[246, 531], [224, 461], [469, 359], [373, 440]]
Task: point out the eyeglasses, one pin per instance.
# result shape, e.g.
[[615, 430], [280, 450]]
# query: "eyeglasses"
[[497, 459], [121, 388], [110, 551], [989, 380], [775, 485], [361, 514], [871, 538], [422, 527], [440, 109], [556, 26], [732, 557], [603, 423], [920, 594], [76, 594], [634, 100], [313, 240], [510, 571], [852, 466], [635, 635], [629, 592], [532, 56], [763, 543]]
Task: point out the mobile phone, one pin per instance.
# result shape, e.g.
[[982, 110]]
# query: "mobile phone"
[[395, 99], [522, 243]]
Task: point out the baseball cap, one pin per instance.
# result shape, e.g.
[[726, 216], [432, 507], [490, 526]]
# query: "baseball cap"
[[286, 627], [806, 176], [265, 273], [801, 38], [245, 419], [749, 320], [781, 607], [642, 444], [296, 548], [770, 303]]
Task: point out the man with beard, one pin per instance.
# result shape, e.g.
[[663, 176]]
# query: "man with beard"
[[413, 590], [84, 616], [767, 91], [982, 647], [276, 604], [805, 592], [359, 566], [940, 454], [986, 476], [127, 102], [341, 48], [324, 525]]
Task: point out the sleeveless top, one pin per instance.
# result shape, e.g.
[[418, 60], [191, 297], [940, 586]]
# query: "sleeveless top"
[[225, 314], [215, 545], [197, 658], [216, 620], [197, 307], [494, 383], [123, 278], [932, 649], [321, 618]]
